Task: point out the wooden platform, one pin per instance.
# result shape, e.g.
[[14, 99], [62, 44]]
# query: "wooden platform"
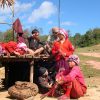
[[22, 58], [10, 63]]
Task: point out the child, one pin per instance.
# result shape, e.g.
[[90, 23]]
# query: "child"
[[44, 79], [72, 80]]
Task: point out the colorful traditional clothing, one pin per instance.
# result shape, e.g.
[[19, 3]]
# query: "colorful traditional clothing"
[[66, 48], [72, 79]]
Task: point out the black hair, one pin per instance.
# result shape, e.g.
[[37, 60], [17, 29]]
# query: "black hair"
[[20, 34], [42, 70], [35, 31]]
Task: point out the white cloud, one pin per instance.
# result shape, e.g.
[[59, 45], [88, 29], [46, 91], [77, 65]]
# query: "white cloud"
[[22, 7], [45, 10], [50, 22], [68, 23], [19, 8]]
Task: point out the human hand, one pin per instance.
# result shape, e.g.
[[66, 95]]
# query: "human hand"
[[59, 81], [60, 77], [50, 85], [61, 53]]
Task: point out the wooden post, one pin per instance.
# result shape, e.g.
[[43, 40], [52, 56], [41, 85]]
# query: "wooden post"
[[31, 71], [6, 76]]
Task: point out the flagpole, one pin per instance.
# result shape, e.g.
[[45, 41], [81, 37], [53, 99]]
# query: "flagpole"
[[13, 20], [59, 14]]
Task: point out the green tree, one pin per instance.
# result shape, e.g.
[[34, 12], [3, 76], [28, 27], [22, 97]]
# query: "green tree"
[[1, 36], [8, 35], [77, 38]]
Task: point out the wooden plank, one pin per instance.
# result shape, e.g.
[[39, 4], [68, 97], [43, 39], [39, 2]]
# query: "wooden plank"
[[22, 58]]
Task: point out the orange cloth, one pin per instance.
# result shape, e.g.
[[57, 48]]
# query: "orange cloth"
[[65, 47], [10, 46]]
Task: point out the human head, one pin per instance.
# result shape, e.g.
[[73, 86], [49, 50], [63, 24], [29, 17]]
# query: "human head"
[[63, 32], [55, 31], [73, 60], [35, 32], [43, 71]]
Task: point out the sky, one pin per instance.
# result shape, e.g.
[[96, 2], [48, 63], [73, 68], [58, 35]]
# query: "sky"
[[78, 16]]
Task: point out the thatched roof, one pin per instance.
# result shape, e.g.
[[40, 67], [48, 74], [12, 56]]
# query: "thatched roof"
[[6, 2]]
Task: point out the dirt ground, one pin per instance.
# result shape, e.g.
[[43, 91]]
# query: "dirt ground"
[[94, 64], [91, 54], [93, 84], [93, 91]]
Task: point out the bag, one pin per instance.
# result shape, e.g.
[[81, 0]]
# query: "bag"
[[23, 90]]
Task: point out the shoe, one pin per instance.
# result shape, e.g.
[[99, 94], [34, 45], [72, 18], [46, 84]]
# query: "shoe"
[[64, 97]]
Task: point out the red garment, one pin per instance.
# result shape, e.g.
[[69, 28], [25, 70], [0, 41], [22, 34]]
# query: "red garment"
[[3, 45], [73, 80], [70, 74], [66, 47], [74, 89], [74, 73], [10, 46], [17, 26]]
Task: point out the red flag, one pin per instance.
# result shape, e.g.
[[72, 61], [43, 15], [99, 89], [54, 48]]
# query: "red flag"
[[17, 26]]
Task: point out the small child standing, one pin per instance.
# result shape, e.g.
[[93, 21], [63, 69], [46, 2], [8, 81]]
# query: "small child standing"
[[72, 80]]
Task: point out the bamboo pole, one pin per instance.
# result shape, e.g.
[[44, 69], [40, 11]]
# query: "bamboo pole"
[[13, 20]]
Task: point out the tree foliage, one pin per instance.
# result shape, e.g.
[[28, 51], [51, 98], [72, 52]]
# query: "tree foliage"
[[8, 35], [91, 37]]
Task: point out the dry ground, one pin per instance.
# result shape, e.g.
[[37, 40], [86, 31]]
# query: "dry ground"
[[91, 54], [95, 64], [93, 91]]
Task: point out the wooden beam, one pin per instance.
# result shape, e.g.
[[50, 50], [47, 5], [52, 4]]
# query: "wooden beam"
[[31, 71]]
